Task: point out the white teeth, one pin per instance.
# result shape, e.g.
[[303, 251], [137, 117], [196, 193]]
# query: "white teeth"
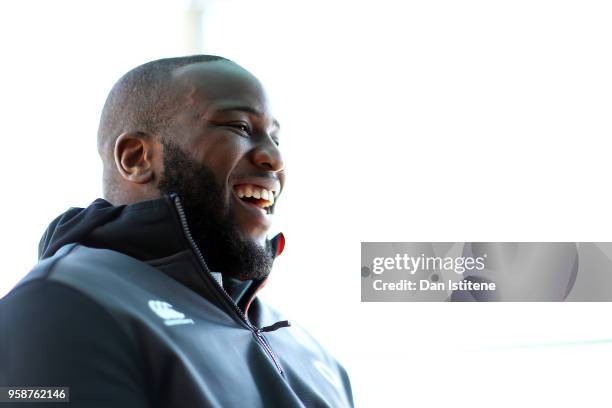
[[249, 190]]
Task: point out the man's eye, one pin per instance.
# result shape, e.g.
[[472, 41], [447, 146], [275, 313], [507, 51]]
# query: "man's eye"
[[242, 127]]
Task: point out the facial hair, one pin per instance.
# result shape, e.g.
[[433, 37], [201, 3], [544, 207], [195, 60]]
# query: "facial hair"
[[210, 219]]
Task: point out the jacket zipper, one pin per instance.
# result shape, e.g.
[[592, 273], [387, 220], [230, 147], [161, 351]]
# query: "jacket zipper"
[[256, 331]]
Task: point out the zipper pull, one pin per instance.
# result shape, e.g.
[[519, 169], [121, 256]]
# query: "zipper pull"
[[275, 326]]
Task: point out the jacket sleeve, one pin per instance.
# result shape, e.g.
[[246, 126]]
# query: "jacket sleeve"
[[52, 335]]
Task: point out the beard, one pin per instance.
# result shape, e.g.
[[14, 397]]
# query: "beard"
[[211, 222]]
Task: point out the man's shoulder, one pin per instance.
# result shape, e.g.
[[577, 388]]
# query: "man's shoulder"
[[43, 269], [112, 280], [93, 269], [78, 262], [67, 277], [43, 313]]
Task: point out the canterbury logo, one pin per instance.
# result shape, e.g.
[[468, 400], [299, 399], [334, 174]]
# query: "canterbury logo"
[[170, 316]]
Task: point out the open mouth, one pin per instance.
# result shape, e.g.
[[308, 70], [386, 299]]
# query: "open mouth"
[[256, 195]]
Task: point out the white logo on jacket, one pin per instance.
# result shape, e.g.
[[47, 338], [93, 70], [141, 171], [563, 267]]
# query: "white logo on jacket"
[[165, 311]]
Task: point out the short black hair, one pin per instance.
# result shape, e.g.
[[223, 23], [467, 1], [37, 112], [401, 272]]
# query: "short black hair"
[[141, 100]]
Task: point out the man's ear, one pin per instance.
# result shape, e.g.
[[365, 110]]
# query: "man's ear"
[[134, 153]]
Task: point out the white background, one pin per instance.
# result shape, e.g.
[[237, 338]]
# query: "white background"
[[429, 121]]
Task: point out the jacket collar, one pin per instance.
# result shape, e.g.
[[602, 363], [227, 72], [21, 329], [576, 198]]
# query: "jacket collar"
[[150, 231]]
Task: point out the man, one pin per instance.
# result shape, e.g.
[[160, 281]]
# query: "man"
[[148, 298]]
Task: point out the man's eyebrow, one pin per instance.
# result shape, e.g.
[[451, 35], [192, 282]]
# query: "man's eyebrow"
[[247, 109]]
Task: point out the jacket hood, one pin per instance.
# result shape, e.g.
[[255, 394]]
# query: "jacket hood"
[[145, 230]]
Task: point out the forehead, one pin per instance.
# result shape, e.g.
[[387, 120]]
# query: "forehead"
[[220, 85]]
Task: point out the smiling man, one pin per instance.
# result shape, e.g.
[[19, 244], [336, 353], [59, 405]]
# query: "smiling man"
[[147, 298]]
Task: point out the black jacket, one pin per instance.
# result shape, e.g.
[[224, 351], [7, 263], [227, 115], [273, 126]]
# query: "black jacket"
[[123, 309]]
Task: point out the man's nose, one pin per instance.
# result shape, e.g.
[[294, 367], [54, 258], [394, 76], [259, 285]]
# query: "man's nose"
[[268, 157]]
